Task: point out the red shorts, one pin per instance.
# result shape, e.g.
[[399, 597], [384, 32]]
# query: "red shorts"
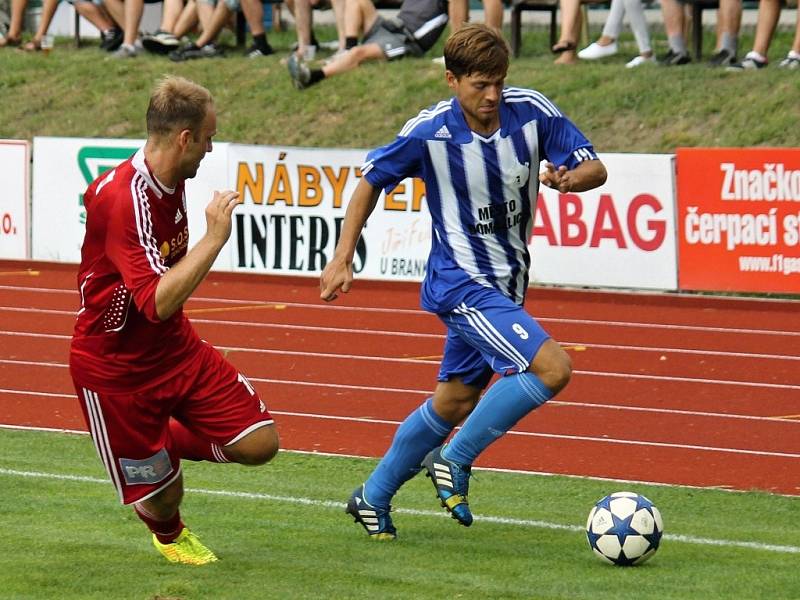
[[131, 429]]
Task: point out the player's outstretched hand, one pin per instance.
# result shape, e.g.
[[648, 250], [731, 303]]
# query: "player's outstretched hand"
[[218, 215], [337, 275], [558, 179]]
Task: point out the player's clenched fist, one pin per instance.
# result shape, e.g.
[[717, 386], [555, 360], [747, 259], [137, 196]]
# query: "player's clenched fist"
[[337, 275]]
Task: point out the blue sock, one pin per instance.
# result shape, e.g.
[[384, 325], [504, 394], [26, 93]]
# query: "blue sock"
[[507, 401], [422, 431]]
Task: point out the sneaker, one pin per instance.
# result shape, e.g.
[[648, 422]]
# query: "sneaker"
[[299, 72], [111, 39], [375, 520], [451, 481], [186, 549], [594, 51], [751, 62], [640, 60], [673, 59], [309, 53], [256, 52], [792, 61], [160, 42], [125, 51], [332, 45], [723, 58], [190, 52]]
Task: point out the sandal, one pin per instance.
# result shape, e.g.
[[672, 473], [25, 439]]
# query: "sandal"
[[9, 41], [560, 47]]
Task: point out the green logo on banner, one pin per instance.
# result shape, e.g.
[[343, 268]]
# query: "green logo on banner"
[[103, 159]]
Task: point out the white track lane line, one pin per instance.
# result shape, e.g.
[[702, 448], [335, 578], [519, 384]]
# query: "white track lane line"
[[570, 404], [613, 374], [331, 504], [589, 345], [371, 309]]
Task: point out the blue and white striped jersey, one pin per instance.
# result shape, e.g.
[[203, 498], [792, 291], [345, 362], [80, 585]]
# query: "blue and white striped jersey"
[[481, 192]]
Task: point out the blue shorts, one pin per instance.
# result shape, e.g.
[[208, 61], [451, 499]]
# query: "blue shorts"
[[488, 333]]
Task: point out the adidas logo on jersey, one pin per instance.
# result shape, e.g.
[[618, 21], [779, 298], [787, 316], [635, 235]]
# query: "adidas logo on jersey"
[[443, 133], [178, 216]]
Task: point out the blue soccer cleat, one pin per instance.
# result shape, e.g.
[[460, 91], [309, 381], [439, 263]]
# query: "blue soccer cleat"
[[375, 520], [451, 481]]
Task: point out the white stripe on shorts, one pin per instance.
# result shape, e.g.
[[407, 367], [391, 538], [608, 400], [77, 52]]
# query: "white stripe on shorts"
[[218, 454], [100, 438], [488, 332]]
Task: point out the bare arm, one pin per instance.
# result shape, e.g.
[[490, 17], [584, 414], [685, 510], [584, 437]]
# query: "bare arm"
[[338, 274], [177, 284], [586, 176]]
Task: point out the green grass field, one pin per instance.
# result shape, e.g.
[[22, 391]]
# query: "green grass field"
[[280, 532]]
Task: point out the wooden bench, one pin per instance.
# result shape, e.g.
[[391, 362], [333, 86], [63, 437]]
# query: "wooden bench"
[[551, 6]]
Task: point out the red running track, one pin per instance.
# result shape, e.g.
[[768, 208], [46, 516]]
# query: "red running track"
[[690, 390]]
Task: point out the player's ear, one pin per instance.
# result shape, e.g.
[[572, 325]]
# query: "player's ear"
[[184, 137]]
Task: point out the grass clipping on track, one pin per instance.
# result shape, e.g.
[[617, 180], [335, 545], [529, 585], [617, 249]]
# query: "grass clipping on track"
[[280, 532]]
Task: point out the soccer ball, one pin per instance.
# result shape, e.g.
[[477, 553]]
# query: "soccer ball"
[[624, 529]]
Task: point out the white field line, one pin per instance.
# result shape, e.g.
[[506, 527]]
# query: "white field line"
[[670, 378], [627, 482], [369, 309], [511, 433], [334, 505]]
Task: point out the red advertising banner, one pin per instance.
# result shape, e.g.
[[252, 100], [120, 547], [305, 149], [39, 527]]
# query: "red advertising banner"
[[738, 219]]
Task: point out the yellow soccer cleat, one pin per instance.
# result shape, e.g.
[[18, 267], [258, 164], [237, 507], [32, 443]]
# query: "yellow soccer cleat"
[[186, 549]]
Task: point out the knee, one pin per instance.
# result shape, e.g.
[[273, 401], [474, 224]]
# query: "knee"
[[257, 448], [559, 375], [553, 366]]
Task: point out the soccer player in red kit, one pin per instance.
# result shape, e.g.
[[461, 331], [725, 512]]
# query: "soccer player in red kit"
[[152, 392]]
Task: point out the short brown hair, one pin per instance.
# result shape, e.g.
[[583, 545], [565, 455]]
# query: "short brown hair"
[[476, 48], [176, 104]]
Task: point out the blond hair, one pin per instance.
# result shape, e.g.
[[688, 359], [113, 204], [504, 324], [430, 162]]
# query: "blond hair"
[[177, 104], [476, 48]]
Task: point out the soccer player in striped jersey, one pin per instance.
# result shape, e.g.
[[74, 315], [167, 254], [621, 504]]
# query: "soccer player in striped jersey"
[[479, 154], [151, 391]]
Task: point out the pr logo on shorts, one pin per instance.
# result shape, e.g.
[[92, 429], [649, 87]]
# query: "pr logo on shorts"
[[148, 470]]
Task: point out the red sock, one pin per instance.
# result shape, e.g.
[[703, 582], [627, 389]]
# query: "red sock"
[[165, 531], [191, 447]]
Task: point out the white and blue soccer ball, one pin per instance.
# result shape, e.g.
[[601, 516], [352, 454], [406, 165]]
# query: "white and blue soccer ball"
[[624, 528]]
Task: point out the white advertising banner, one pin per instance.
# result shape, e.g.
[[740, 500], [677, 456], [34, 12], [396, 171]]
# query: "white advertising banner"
[[294, 205], [619, 235], [63, 169], [294, 201], [15, 175]]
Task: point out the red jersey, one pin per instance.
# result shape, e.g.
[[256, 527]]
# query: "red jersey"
[[136, 229]]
